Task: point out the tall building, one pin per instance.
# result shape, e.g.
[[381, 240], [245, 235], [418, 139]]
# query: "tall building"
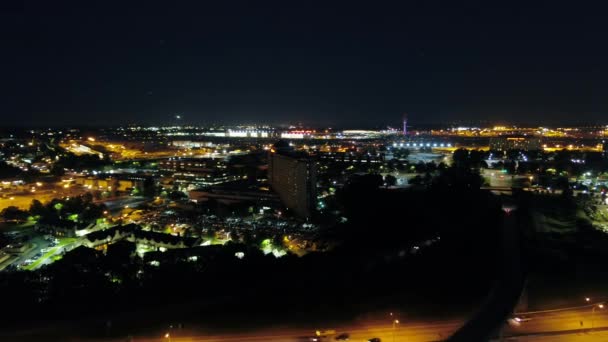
[[292, 176], [404, 124]]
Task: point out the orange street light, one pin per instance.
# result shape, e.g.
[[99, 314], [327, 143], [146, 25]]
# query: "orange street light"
[[600, 306], [395, 322]]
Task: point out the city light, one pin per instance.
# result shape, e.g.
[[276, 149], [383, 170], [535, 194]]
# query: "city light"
[[240, 168]]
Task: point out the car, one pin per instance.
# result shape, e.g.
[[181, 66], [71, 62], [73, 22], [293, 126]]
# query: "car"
[[374, 339], [518, 320], [343, 337], [521, 319]]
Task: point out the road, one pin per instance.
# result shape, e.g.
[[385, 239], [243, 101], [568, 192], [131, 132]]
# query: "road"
[[574, 337], [561, 325], [564, 325], [563, 320], [23, 199]]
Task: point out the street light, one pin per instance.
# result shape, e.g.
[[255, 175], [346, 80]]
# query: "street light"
[[599, 306], [587, 299], [395, 322]]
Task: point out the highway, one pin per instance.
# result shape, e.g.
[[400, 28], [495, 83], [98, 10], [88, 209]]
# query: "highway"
[[574, 337], [584, 317], [558, 326], [433, 331], [563, 325]]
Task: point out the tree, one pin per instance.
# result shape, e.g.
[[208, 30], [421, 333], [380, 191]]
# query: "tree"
[[92, 212], [417, 180], [121, 251], [390, 180], [177, 195], [37, 209], [420, 167], [476, 158], [87, 198], [461, 157], [13, 213], [57, 170], [456, 178], [8, 171], [149, 188], [30, 175]]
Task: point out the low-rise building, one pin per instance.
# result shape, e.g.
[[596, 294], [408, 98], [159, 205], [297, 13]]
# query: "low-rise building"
[[59, 228], [235, 192], [191, 173], [134, 233], [515, 142]]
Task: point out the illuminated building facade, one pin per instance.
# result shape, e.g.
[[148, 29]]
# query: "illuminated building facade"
[[515, 143], [196, 172]]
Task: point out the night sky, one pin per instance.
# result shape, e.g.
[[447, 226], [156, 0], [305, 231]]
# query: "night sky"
[[345, 63]]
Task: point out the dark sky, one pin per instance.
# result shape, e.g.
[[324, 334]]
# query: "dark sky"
[[331, 62]]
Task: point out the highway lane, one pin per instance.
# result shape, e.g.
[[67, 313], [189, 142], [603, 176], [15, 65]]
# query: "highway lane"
[[575, 318], [575, 337], [549, 322], [548, 326], [414, 332]]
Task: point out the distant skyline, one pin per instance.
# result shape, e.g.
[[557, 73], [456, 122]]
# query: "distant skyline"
[[346, 64]]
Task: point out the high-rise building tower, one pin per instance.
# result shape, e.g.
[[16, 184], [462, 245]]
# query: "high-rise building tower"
[[292, 176], [404, 124]]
